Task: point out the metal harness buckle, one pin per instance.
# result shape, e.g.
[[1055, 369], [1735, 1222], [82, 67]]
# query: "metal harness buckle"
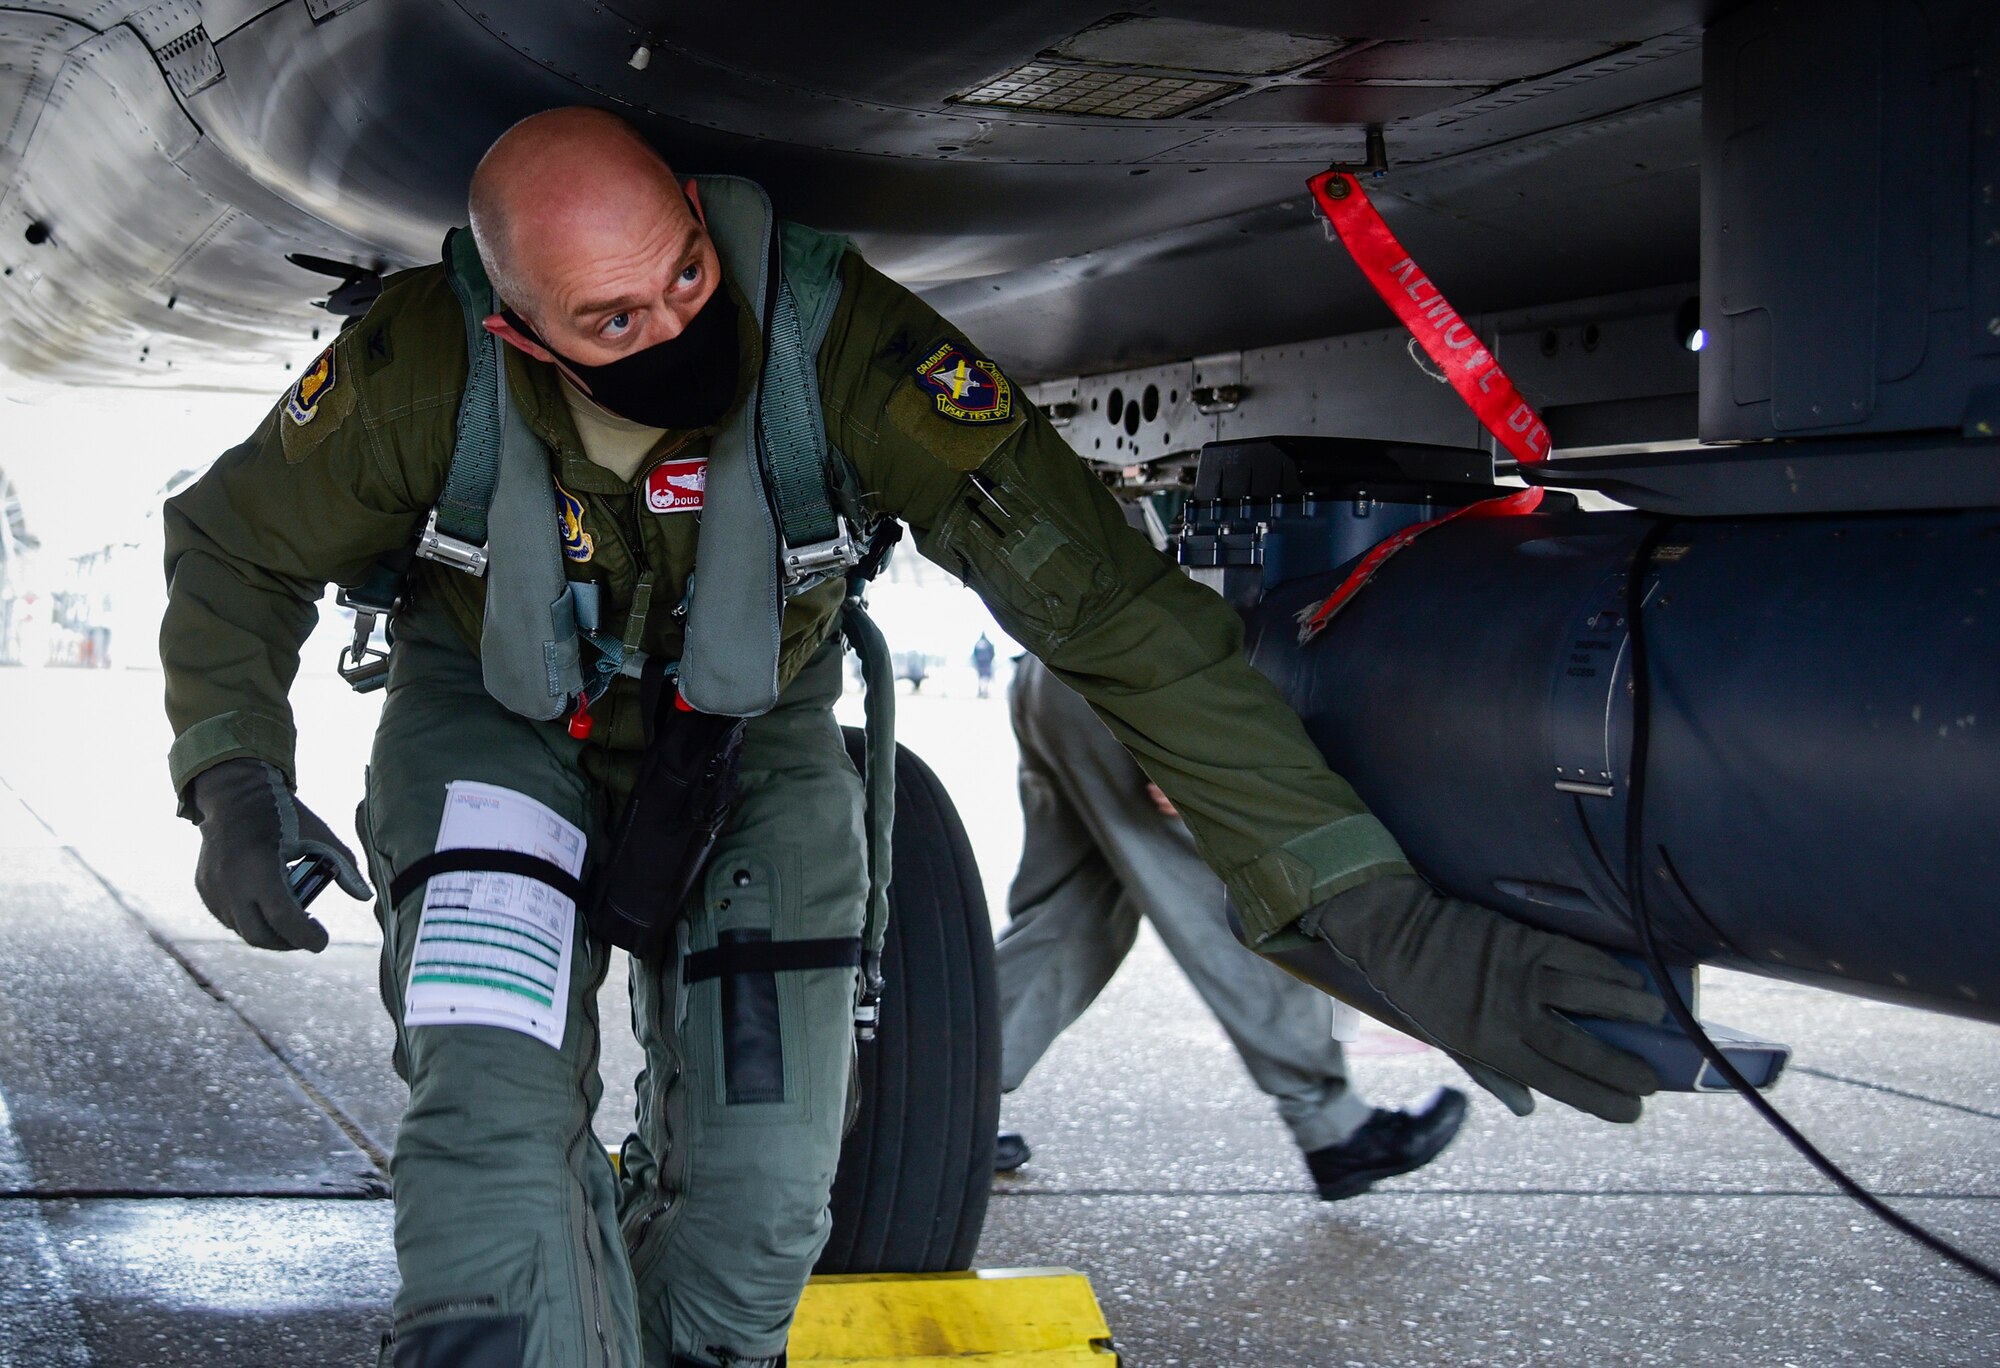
[[447, 550], [811, 564], [868, 1006], [361, 664]]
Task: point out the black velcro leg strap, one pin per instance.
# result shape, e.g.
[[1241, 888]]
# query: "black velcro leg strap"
[[474, 861], [748, 962], [475, 1342], [736, 956]]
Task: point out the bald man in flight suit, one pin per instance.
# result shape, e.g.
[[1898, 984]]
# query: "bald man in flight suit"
[[632, 340]]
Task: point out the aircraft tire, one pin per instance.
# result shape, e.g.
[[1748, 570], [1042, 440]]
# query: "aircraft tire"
[[915, 1171]]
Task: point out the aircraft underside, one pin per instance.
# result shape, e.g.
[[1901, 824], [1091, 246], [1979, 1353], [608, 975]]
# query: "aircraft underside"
[[1727, 697]]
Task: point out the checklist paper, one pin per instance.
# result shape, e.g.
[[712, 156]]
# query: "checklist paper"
[[494, 949]]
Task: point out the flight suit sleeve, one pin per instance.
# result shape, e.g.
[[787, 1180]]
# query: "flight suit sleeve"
[[941, 439], [320, 492]]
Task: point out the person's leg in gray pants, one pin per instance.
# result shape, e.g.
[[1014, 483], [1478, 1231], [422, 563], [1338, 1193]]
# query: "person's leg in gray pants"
[[1097, 856]]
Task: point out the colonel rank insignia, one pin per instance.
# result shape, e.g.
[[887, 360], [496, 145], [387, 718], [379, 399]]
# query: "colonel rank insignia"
[[302, 402], [965, 386]]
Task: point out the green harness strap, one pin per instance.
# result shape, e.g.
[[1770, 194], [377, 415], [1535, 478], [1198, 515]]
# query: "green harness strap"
[[460, 514], [878, 777], [793, 431]]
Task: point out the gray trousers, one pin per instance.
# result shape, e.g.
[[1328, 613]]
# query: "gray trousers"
[[1097, 856], [506, 1205]]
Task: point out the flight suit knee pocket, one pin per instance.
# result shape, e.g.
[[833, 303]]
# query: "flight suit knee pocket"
[[752, 1046]]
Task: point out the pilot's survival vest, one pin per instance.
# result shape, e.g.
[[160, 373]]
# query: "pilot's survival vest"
[[782, 514], [781, 510]]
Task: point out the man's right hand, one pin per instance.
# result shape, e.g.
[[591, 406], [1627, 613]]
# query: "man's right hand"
[[251, 830], [1494, 993]]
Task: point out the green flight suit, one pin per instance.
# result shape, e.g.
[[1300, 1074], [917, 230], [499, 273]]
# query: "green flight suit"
[[725, 1221]]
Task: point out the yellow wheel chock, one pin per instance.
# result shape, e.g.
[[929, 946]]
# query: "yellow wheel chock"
[[992, 1318], [986, 1318]]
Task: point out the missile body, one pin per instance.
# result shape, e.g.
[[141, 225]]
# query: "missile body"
[[1822, 800]]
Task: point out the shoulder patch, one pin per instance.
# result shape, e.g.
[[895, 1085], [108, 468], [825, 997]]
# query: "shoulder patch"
[[964, 386], [576, 543], [316, 404], [303, 400], [955, 405]]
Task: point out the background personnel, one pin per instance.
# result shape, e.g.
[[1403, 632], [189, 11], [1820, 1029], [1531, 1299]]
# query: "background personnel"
[[1102, 848]]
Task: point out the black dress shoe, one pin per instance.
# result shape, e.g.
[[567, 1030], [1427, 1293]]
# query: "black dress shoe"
[[1010, 1151], [1388, 1143]]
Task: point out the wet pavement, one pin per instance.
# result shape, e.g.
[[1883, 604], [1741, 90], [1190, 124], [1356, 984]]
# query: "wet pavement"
[[192, 1132]]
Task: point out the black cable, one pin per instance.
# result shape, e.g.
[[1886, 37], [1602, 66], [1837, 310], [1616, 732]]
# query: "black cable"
[[1635, 879]]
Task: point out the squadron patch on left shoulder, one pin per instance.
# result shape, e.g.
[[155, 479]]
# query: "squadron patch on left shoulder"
[[577, 544], [964, 386], [302, 401]]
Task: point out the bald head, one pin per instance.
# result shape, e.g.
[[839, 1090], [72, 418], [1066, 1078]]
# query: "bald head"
[[572, 210]]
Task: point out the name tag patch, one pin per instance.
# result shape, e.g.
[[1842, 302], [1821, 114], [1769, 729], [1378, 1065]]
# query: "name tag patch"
[[677, 486]]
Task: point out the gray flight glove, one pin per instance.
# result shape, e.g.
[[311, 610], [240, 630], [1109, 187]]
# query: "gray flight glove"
[[1487, 990], [251, 829]]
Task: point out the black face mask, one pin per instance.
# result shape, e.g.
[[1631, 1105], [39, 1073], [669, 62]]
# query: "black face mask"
[[687, 381]]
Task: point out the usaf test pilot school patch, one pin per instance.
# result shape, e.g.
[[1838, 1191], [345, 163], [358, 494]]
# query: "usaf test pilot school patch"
[[965, 386]]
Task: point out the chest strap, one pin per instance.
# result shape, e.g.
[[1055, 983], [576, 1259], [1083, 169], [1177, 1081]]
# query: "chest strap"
[[455, 534], [819, 543]]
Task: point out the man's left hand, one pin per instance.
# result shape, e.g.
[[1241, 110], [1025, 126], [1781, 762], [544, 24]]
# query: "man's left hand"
[[251, 830]]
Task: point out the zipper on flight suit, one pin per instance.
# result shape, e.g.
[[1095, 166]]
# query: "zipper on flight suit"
[[640, 1258], [637, 1231], [587, 1228], [586, 1216], [637, 1228]]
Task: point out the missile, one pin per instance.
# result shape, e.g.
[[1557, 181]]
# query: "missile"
[[1822, 790]]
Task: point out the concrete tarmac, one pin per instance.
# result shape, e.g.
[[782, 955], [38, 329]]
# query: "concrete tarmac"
[[193, 1133]]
